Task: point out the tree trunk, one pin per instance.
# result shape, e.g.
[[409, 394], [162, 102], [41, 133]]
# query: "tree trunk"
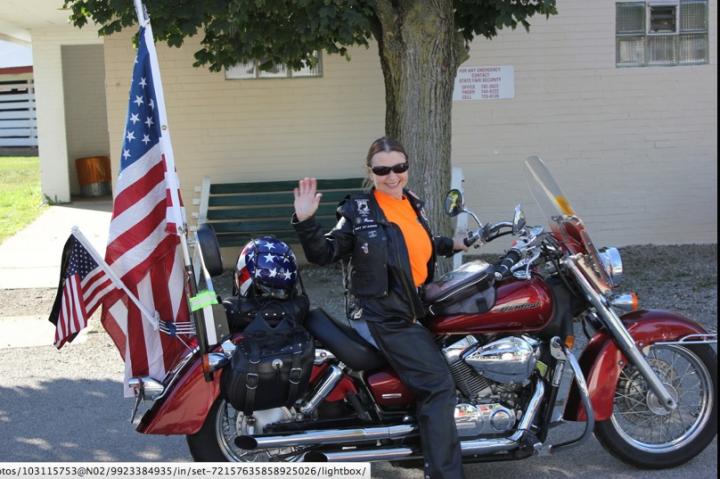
[[420, 52]]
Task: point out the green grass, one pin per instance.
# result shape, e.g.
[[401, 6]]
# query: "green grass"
[[20, 197]]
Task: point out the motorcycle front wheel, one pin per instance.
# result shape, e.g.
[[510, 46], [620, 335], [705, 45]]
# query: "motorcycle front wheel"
[[215, 441], [641, 431]]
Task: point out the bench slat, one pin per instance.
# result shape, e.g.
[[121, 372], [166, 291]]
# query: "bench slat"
[[280, 186], [251, 213], [242, 240], [270, 199], [268, 226]]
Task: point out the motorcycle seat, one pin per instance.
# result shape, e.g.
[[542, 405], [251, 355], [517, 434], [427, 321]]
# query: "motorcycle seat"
[[342, 340]]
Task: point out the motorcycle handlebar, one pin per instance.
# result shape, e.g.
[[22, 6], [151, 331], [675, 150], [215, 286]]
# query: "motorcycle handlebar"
[[509, 260], [487, 233], [471, 238]]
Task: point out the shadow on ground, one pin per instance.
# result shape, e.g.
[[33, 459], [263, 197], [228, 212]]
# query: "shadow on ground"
[[77, 420]]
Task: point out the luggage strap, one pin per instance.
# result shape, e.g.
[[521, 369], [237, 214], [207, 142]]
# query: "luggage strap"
[[251, 378], [295, 376]]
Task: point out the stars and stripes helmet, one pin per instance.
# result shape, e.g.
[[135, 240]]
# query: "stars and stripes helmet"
[[266, 266]]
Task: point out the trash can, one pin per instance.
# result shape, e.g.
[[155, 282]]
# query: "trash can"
[[94, 175]]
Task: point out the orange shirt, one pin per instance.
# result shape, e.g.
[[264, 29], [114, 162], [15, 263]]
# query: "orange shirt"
[[417, 240]]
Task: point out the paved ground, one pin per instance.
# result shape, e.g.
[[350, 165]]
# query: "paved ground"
[[31, 258]]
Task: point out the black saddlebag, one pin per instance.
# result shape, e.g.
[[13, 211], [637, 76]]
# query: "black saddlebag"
[[272, 363], [466, 290]]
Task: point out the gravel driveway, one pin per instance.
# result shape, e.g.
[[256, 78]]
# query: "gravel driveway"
[[67, 405]]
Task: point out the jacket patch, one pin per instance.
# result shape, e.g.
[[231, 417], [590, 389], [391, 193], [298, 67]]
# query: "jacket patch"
[[371, 226], [362, 207]]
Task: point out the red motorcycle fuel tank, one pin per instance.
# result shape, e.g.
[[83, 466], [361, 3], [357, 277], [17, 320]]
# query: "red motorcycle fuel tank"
[[520, 306]]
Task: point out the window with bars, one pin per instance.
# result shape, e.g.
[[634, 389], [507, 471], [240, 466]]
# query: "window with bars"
[[251, 71], [661, 32]]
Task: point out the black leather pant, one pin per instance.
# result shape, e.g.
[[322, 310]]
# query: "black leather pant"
[[413, 354]]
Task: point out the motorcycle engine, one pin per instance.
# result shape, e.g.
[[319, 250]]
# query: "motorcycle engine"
[[489, 376]]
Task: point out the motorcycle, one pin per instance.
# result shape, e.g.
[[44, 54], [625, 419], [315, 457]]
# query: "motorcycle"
[[645, 384]]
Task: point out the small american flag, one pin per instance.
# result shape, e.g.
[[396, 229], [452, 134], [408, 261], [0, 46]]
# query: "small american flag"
[[83, 285], [143, 247]]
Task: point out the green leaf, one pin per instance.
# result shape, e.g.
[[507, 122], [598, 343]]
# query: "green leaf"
[[285, 31]]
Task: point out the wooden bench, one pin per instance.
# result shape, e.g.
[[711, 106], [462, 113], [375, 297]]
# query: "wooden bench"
[[239, 212]]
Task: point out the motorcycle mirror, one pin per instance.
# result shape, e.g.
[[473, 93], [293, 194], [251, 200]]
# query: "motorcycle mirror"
[[454, 202], [518, 220]]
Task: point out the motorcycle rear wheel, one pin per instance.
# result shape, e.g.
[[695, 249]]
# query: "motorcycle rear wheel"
[[641, 432], [214, 442]]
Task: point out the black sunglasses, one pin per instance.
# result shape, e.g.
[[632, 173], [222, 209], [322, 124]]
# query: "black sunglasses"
[[385, 170]]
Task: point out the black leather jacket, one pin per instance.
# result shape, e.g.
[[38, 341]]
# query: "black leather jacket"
[[380, 275]]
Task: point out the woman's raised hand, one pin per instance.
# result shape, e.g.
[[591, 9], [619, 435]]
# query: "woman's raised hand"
[[307, 199]]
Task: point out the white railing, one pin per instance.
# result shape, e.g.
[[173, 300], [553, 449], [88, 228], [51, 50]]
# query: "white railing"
[[18, 125]]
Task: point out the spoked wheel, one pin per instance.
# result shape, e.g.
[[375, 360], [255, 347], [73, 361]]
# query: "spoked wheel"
[[641, 431], [215, 441]]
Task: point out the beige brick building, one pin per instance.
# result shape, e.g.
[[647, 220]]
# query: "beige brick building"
[[634, 147]]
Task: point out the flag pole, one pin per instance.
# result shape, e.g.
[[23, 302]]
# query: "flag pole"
[[154, 319], [171, 178], [141, 13], [171, 175]]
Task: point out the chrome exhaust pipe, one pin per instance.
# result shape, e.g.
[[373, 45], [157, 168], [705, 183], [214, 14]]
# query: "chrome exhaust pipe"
[[533, 407], [362, 455], [469, 448], [326, 437], [487, 446], [331, 379]]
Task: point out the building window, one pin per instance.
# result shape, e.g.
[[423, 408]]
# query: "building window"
[[661, 32], [251, 71]]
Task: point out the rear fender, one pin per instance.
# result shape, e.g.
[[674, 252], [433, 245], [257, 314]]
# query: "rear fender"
[[601, 360], [184, 407]]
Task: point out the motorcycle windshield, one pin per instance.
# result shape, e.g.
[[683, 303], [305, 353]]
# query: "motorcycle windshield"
[[564, 222], [548, 195]]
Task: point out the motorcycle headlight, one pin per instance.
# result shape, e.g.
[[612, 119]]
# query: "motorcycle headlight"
[[612, 264]]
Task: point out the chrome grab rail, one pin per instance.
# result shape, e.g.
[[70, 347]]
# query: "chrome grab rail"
[[699, 338]]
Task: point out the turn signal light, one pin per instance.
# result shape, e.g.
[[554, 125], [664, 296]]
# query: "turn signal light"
[[569, 342], [626, 302], [206, 365]]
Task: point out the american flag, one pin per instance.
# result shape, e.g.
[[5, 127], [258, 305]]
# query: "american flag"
[[143, 247], [83, 285]]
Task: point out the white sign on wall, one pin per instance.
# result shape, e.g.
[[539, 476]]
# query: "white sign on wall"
[[484, 83]]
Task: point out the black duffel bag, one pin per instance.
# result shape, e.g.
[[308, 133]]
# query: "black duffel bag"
[[272, 363], [242, 310]]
